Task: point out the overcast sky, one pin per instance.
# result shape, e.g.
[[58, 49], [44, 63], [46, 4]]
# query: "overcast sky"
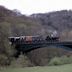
[[37, 6]]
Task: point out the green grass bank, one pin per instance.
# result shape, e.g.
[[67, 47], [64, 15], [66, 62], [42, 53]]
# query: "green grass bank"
[[62, 68]]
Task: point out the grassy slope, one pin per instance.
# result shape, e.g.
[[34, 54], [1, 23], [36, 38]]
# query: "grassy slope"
[[64, 68]]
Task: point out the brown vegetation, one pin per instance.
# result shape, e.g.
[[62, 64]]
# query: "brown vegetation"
[[42, 56]]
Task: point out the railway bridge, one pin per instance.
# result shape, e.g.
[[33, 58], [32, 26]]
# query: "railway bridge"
[[25, 47], [28, 43]]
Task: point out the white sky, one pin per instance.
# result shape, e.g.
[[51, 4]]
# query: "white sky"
[[37, 6]]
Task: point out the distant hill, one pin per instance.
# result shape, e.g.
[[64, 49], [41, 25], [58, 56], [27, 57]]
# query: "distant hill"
[[59, 20], [19, 24]]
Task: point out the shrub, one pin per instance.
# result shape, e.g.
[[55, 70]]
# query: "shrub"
[[55, 61], [4, 60], [22, 61], [66, 60], [60, 60]]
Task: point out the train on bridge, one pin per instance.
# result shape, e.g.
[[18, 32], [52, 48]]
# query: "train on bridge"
[[33, 39], [27, 43]]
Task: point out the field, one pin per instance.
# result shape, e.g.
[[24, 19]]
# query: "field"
[[63, 68]]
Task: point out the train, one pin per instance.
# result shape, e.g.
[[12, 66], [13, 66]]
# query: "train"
[[33, 39]]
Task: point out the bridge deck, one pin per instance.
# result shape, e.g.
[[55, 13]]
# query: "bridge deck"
[[45, 42], [30, 46]]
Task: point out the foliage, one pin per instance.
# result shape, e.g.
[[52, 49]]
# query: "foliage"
[[12, 24], [5, 48], [4, 60], [61, 60], [42, 56], [22, 61]]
